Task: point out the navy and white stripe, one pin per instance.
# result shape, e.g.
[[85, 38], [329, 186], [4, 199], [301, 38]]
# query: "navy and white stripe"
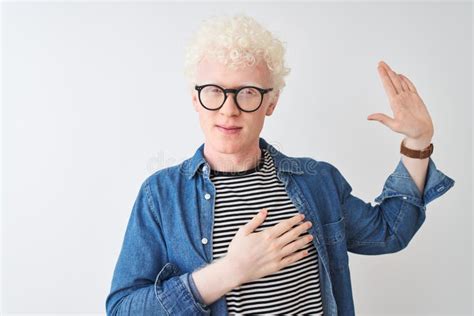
[[294, 289]]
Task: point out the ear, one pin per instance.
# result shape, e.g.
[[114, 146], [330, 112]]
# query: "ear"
[[273, 103], [194, 99]]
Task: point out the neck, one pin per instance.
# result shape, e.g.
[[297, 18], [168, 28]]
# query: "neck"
[[232, 162]]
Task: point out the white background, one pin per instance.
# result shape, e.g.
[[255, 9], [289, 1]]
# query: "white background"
[[95, 100]]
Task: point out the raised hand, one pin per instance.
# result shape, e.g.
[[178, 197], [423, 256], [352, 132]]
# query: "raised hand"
[[411, 116]]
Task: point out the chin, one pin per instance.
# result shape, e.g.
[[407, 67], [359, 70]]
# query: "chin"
[[226, 145]]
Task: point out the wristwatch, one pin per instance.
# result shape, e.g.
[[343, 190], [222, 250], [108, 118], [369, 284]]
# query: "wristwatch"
[[419, 154]]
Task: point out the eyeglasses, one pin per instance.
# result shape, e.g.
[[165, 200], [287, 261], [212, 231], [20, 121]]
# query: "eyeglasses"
[[247, 98]]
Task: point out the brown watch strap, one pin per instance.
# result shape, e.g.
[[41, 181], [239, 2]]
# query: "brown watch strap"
[[419, 154]]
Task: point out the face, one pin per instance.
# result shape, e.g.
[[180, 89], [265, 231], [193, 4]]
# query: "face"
[[250, 123]]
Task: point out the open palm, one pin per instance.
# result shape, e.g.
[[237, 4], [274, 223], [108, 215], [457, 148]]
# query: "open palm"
[[410, 115]]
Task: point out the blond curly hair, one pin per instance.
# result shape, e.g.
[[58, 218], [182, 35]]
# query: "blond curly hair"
[[237, 41]]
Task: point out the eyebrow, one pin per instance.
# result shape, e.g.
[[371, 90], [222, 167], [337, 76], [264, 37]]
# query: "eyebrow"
[[248, 83]]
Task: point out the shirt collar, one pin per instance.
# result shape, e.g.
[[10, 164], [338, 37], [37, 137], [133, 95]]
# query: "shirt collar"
[[282, 162]]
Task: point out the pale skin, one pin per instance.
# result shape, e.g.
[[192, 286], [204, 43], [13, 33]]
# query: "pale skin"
[[241, 152], [233, 152], [411, 118]]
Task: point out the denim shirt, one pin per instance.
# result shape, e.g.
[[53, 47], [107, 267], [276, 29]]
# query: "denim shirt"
[[169, 233]]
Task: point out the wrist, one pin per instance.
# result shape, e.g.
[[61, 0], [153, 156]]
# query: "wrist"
[[231, 271], [417, 143], [214, 280]]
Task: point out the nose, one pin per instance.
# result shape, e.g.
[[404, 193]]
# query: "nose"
[[229, 107]]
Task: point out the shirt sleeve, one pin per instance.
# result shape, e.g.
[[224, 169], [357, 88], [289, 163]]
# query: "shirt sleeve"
[[389, 225], [144, 282], [400, 183]]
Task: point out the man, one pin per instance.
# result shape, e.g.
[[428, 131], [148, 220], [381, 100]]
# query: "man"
[[196, 241]]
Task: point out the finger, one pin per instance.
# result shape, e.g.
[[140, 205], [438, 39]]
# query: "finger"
[[387, 83], [384, 119], [292, 234], [296, 245], [409, 83], [393, 76], [256, 221], [285, 225], [286, 261], [403, 83]]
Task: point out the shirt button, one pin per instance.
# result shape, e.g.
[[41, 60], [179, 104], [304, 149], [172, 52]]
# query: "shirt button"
[[207, 196], [204, 168], [204, 241], [404, 197]]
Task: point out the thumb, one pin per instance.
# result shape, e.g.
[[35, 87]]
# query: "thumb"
[[256, 221], [382, 118]]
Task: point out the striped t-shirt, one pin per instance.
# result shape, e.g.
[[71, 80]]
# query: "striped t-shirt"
[[239, 197]]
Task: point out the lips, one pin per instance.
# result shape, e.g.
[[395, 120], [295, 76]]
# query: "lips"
[[230, 127], [229, 130]]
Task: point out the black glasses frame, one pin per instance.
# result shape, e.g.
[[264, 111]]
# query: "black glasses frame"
[[235, 92]]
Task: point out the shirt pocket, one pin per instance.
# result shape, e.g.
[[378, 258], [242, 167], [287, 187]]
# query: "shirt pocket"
[[334, 235]]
